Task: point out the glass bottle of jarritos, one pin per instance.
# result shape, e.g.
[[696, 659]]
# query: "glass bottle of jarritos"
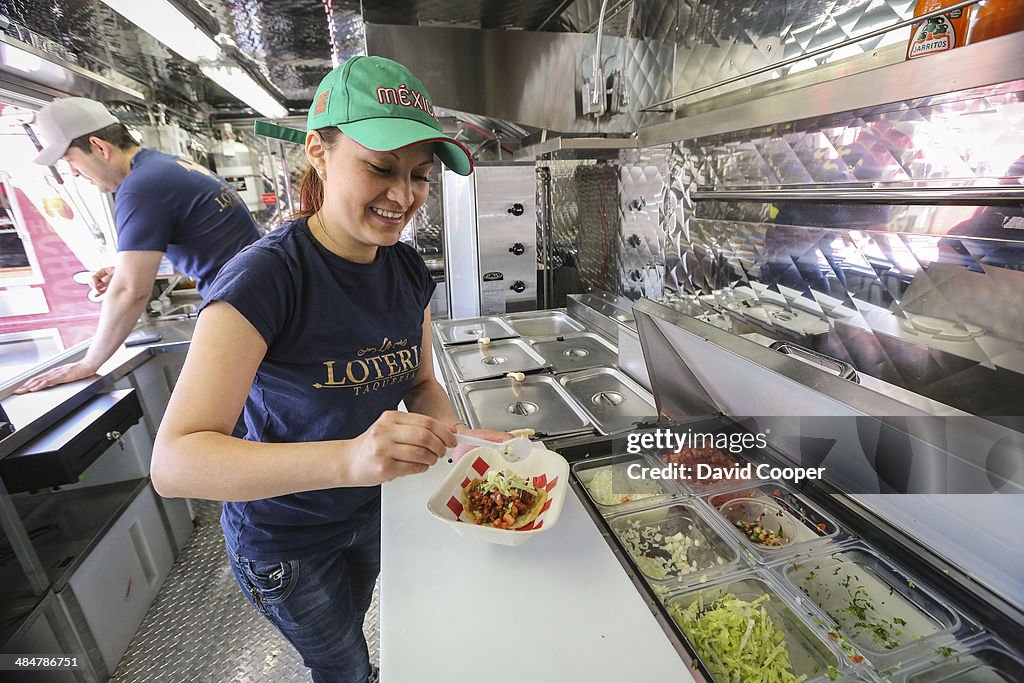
[[991, 18], [940, 33]]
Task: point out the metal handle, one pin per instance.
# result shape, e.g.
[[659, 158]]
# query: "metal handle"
[[964, 196], [827, 363]]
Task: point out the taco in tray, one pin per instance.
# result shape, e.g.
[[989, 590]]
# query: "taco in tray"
[[503, 500]]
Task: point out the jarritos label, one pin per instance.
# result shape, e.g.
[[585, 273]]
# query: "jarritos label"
[[937, 34], [373, 368], [405, 97]]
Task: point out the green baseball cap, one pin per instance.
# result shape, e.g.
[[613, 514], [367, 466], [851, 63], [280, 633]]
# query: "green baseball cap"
[[378, 103]]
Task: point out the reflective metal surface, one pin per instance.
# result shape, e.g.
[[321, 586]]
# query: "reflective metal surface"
[[614, 401], [575, 351], [539, 402], [490, 232], [505, 75], [468, 330], [986, 63], [201, 628], [480, 361], [25, 63], [542, 323]]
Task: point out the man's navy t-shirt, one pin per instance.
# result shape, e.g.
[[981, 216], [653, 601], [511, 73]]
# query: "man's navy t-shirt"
[[178, 207], [344, 344]]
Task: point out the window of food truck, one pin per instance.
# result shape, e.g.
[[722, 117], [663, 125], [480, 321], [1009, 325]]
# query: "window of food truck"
[[55, 230]]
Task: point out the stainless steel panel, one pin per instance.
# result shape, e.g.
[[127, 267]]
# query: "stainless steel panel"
[[528, 77], [539, 402], [631, 357], [576, 351], [480, 361], [201, 627], [640, 260], [506, 214], [615, 402], [462, 256], [25, 63], [491, 239], [543, 323], [468, 330], [986, 63], [526, 14]]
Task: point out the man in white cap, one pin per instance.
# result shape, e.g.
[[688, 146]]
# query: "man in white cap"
[[162, 204]]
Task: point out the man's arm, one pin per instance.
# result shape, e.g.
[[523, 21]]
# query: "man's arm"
[[126, 298]]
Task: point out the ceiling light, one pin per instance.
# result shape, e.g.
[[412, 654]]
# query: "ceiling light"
[[243, 86], [170, 26], [166, 23]]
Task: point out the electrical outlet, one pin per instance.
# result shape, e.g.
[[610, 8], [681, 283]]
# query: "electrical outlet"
[[593, 95], [620, 96]]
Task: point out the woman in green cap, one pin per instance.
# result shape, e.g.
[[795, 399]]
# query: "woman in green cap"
[[319, 330]]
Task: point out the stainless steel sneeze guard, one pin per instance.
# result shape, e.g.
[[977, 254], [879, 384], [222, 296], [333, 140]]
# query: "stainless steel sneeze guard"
[[688, 360], [496, 359]]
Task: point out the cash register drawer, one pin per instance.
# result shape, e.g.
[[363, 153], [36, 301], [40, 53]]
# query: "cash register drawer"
[[64, 451]]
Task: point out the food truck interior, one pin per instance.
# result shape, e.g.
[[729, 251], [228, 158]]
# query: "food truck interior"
[[798, 222]]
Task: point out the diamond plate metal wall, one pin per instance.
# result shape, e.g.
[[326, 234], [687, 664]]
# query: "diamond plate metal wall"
[[428, 223], [928, 297], [641, 240], [719, 39], [558, 225]]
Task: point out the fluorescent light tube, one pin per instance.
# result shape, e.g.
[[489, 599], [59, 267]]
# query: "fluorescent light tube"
[[239, 83], [167, 24]]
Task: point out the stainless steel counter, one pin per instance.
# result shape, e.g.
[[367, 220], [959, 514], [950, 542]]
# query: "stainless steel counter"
[[34, 413]]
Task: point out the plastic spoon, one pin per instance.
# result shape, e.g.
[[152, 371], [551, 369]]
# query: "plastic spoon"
[[513, 450]]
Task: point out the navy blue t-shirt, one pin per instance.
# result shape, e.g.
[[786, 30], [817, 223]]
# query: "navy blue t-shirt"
[[344, 344], [183, 209]]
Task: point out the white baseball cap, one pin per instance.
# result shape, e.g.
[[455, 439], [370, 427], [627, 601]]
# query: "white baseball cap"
[[63, 120]]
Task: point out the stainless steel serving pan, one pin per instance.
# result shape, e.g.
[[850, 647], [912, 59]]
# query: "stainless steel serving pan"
[[538, 402], [576, 351], [543, 323], [613, 400], [469, 330], [479, 361]]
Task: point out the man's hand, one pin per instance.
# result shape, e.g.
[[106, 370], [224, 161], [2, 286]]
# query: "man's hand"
[[72, 372], [101, 280]]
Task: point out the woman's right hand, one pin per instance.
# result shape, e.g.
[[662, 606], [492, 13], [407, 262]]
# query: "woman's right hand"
[[396, 445]]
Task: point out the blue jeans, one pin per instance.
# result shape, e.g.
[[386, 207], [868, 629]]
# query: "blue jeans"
[[318, 604]]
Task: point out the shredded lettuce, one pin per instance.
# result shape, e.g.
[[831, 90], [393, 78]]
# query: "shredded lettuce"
[[737, 639], [505, 483]]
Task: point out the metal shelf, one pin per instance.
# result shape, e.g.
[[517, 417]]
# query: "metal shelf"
[[959, 196], [818, 93]]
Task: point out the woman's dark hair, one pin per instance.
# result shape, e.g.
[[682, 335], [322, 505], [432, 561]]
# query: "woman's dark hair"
[[311, 187], [116, 134]]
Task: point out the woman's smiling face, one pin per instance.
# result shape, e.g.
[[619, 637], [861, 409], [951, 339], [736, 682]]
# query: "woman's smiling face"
[[370, 196]]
